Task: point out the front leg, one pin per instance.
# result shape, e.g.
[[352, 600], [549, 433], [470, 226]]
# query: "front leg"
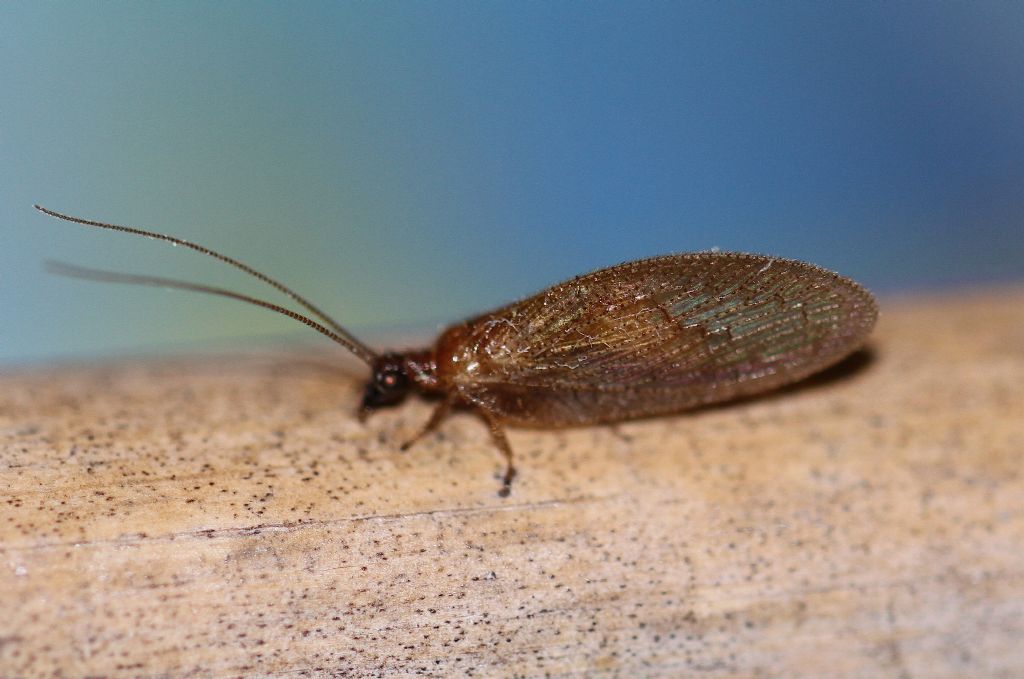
[[440, 412]]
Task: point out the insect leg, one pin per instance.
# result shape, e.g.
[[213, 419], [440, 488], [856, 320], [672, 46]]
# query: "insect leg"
[[500, 440], [436, 417]]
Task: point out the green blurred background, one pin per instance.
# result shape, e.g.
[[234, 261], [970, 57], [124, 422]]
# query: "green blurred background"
[[407, 164]]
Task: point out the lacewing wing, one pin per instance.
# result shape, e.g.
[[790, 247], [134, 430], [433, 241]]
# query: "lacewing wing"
[[649, 337], [654, 336]]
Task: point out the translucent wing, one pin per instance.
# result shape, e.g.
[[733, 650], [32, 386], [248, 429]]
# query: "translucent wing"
[[664, 334]]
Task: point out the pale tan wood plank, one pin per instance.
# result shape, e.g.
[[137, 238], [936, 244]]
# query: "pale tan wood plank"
[[229, 516]]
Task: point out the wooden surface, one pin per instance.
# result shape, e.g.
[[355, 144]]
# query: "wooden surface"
[[230, 516]]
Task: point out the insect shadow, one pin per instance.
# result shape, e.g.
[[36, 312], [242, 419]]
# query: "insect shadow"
[[857, 362]]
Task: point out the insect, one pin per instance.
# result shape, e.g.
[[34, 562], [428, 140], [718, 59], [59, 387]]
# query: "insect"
[[649, 337]]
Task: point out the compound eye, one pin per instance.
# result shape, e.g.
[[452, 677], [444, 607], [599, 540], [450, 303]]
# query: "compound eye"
[[391, 380]]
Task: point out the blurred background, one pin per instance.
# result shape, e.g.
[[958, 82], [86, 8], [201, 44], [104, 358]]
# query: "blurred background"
[[408, 164]]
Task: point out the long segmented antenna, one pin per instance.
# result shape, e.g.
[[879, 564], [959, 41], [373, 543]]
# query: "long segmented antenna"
[[85, 273], [334, 330]]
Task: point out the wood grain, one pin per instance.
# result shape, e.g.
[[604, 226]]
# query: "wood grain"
[[229, 516]]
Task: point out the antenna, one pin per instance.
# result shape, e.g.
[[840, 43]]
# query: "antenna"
[[333, 330]]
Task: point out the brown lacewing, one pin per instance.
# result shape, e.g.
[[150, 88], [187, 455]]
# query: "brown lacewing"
[[649, 337]]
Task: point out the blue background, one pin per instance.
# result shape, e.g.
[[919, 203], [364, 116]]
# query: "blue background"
[[409, 164]]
